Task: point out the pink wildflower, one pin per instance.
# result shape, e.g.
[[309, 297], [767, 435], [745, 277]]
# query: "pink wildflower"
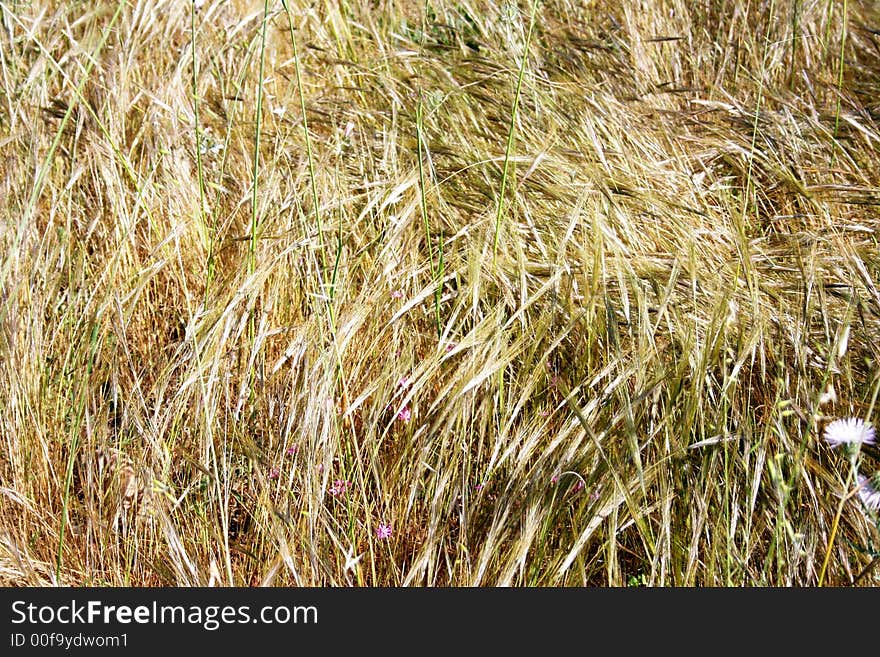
[[339, 487], [383, 531], [405, 414]]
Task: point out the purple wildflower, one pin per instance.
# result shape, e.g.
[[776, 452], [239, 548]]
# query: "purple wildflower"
[[339, 487]]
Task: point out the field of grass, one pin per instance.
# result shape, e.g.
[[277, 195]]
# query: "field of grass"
[[442, 292]]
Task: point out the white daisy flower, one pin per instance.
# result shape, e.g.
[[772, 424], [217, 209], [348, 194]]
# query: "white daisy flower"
[[868, 492], [849, 431]]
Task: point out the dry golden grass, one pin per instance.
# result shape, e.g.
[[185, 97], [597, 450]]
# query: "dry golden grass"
[[610, 262]]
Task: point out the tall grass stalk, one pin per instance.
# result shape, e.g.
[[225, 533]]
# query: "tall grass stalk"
[[316, 206], [200, 171], [511, 131], [258, 131], [841, 62], [436, 268]]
